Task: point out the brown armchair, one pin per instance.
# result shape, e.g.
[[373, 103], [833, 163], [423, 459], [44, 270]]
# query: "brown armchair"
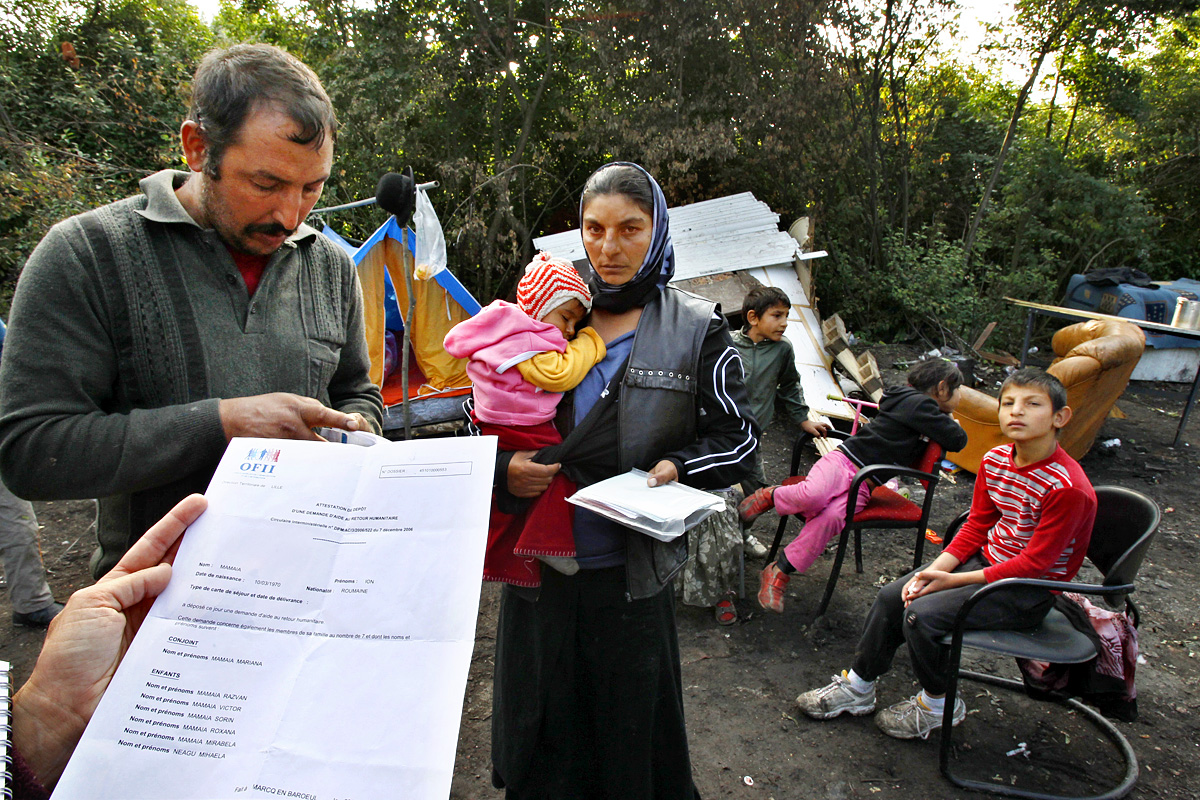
[[1094, 362]]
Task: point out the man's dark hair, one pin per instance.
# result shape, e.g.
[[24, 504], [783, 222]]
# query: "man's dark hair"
[[926, 376], [1032, 376], [232, 83], [623, 180], [760, 299]]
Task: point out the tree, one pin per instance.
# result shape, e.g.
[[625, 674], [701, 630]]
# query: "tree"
[[90, 101], [1047, 26]]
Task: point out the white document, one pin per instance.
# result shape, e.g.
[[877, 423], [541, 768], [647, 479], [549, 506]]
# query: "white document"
[[315, 638], [663, 512]]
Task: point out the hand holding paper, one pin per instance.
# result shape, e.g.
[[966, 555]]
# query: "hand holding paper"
[[663, 512], [307, 645]]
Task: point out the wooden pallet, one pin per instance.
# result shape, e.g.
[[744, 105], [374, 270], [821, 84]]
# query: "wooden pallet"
[[863, 369]]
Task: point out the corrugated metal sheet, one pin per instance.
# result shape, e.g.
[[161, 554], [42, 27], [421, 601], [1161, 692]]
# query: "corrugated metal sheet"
[[713, 236]]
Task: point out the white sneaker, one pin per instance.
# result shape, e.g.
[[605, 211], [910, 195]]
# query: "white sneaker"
[[910, 719], [755, 548], [829, 701]]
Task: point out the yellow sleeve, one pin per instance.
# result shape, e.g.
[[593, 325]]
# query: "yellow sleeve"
[[559, 372]]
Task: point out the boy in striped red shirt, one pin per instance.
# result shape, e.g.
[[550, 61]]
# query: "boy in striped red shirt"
[[1031, 517]]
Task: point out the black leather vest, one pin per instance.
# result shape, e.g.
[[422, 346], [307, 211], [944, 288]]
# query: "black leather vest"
[[658, 414]]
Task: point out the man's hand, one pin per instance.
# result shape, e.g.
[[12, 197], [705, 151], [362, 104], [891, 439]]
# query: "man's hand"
[[283, 416], [817, 429], [86, 642], [527, 478], [663, 473], [360, 423]]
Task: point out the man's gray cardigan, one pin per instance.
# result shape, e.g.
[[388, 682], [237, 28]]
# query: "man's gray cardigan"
[[130, 323]]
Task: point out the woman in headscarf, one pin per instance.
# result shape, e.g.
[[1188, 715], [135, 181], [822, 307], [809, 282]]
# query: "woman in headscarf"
[[588, 694]]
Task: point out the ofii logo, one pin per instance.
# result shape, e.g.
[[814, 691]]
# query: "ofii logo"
[[260, 460]]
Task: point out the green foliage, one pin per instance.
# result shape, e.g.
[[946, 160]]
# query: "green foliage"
[[845, 112], [929, 284], [90, 102], [1055, 219], [1162, 156]]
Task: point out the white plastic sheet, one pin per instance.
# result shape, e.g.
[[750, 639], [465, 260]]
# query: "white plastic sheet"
[[431, 242]]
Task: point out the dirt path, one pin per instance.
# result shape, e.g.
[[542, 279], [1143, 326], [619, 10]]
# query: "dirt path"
[[740, 682]]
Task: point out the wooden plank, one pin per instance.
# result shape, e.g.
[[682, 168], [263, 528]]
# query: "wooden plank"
[[804, 275], [983, 337], [784, 276], [826, 444], [817, 384], [813, 326], [1075, 312], [1002, 358]]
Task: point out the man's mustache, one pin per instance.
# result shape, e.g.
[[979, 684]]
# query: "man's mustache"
[[270, 229]]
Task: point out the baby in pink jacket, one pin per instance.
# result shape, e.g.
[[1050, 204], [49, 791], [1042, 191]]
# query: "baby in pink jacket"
[[521, 358]]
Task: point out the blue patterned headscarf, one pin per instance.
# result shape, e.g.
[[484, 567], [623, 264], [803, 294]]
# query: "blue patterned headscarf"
[[657, 268]]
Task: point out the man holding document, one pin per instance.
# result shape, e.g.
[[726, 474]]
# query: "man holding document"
[[305, 646], [146, 334]]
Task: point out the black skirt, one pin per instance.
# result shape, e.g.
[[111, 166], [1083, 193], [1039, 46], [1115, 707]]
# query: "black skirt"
[[588, 695]]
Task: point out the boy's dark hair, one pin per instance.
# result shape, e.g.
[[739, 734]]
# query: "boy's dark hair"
[[1032, 376], [231, 83], [761, 298], [926, 376]]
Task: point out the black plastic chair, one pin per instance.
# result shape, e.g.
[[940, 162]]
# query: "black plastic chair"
[[1126, 522], [885, 510]]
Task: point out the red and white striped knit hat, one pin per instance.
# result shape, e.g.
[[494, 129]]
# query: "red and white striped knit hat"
[[549, 282]]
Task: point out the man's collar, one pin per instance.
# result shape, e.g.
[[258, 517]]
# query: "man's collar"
[[162, 205]]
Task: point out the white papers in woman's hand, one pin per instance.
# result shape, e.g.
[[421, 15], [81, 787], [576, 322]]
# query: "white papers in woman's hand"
[[663, 512]]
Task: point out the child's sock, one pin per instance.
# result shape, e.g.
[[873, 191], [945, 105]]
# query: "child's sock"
[[565, 565], [783, 564], [859, 684], [936, 704]]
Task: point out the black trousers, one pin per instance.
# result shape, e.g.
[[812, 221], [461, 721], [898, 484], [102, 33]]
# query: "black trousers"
[[588, 695], [927, 619]]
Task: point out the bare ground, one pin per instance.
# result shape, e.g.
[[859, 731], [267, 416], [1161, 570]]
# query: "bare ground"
[[739, 683]]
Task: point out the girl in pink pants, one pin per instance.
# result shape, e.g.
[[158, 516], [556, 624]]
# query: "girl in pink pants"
[[908, 418]]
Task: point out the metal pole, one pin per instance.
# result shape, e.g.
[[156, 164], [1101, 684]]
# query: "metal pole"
[[1187, 409], [408, 322], [1028, 336], [369, 200]]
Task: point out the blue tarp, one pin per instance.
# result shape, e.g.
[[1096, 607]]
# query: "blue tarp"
[[445, 278], [1135, 302]]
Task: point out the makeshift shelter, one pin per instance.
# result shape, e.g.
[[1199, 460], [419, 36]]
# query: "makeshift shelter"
[[727, 246], [441, 302]]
